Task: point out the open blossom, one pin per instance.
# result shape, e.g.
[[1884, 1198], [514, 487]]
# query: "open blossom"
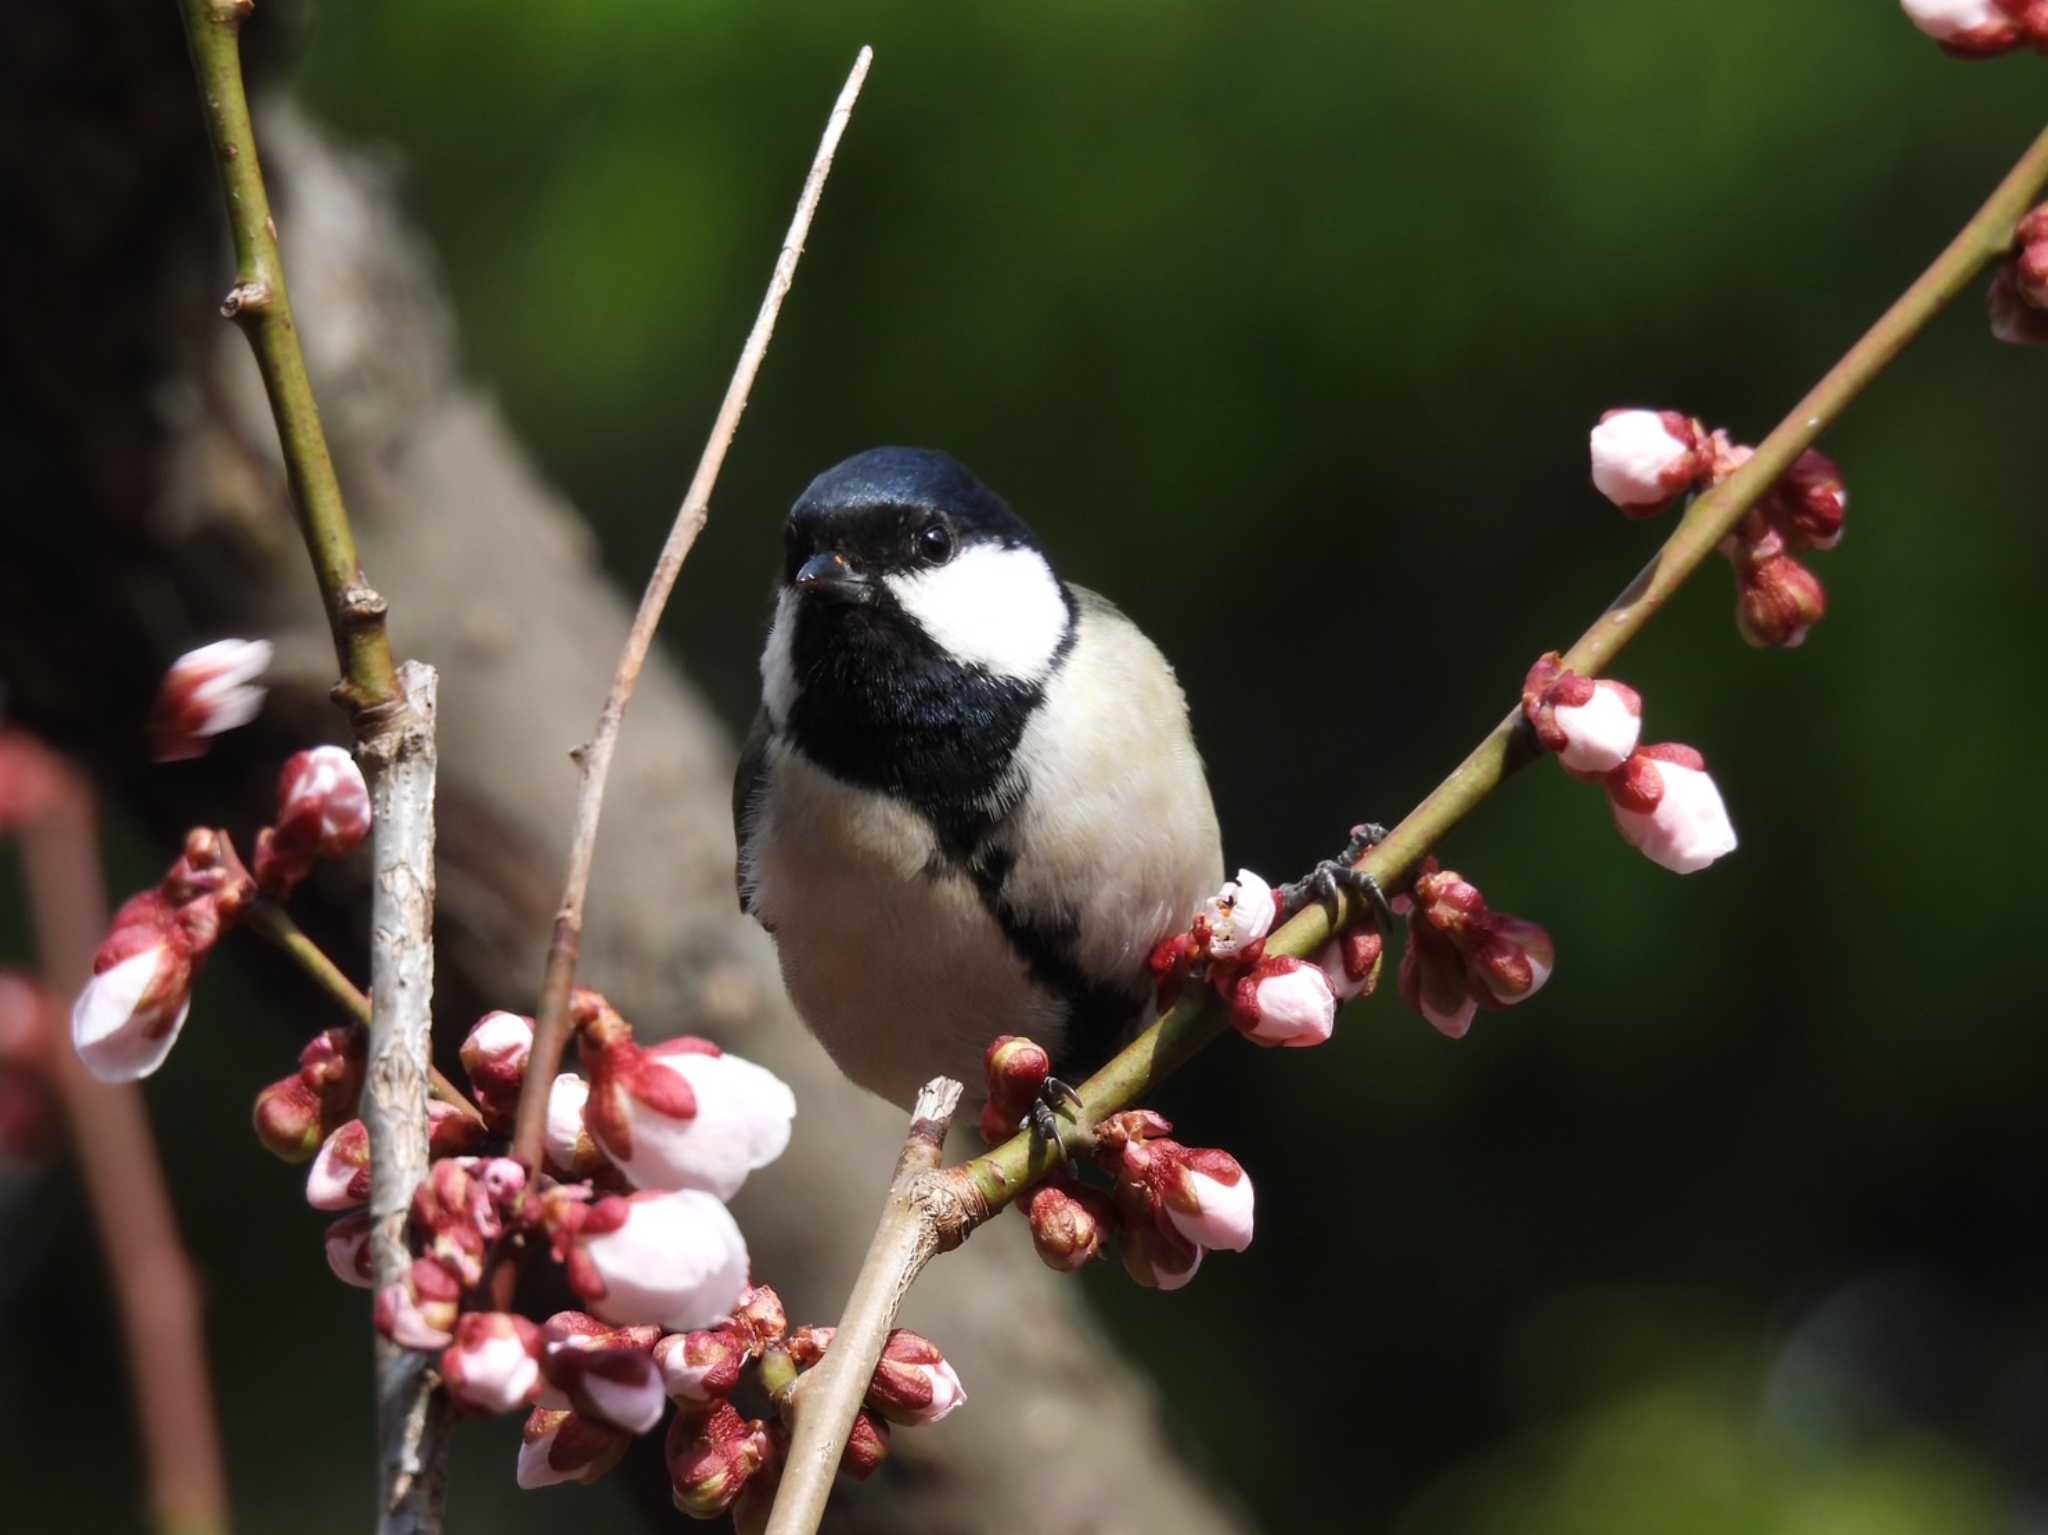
[[674, 1258], [323, 812], [494, 1055], [566, 1447], [493, 1365], [1284, 1001], [681, 1114], [205, 692], [1667, 808], [1643, 460], [1240, 915], [913, 1383]]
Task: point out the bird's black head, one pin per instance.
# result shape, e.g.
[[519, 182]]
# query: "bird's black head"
[[891, 511], [916, 625]]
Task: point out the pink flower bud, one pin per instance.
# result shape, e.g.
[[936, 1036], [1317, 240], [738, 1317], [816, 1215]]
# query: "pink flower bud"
[[606, 1374], [348, 1249], [711, 1457], [1592, 725], [1352, 961], [1068, 1224], [808, 1343], [682, 1115], [701, 1366], [1971, 29], [287, 1119], [1509, 960], [1016, 1069], [493, 1366], [1207, 1197], [419, 1311], [131, 1012], [759, 1317], [1777, 600], [570, 1149], [2013, 319], [494, 1055], [323, 813], [205, 692], [867, 1446], [332, 1065], [913, 1383], [1158, 1260], [1643, 460], [675, 1259], [1240, 915], [2029, 266], [1667, 808], [339, 1178], [1432, 980], [566, 1447], [1809, 503], [1282, 1001]]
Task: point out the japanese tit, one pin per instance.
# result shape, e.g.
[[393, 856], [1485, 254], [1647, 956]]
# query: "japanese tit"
[[970, 804]]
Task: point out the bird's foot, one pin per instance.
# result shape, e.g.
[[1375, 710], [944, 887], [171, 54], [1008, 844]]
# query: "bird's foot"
[[1053, 1097], [1334, 875]]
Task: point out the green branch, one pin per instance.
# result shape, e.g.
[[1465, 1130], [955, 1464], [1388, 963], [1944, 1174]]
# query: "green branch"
[[260, 305]]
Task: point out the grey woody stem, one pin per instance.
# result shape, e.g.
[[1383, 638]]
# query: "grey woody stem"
[[411, 1422], [551, 1025]]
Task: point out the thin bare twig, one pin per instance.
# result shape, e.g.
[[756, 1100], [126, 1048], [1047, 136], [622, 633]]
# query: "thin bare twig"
[[828, 1396], [265, 916], [156, 1290], [551, 1026], [950, 1202], [410, 1431]]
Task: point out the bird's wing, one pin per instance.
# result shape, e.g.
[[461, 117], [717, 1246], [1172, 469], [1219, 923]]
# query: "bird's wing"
[[748, 781]]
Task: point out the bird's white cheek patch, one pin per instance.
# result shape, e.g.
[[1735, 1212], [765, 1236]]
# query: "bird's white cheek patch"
[[778, 662], [997, 608]]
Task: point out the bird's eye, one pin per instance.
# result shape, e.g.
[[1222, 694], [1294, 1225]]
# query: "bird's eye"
[[935, 543]]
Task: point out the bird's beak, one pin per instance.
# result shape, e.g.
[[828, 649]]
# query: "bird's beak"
[[828, 575]]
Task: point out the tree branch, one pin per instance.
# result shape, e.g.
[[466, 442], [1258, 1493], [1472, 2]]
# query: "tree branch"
[[551, 1028], [410, 1431], [259, 303], [953, 1201], [829, 1394], [156, 1290]]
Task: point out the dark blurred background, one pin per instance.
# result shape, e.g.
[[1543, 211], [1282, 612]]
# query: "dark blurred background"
[[1284, 325]]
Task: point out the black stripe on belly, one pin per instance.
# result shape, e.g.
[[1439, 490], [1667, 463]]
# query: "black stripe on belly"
[[1098, 1012]]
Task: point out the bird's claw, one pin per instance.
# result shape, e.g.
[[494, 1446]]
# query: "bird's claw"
[[1053, 1096], [1333, 876]]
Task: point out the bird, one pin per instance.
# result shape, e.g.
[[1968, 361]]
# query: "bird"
[[971, 802]]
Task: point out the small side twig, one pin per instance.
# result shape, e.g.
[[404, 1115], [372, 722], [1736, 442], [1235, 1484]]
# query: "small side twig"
[[261, 306], [394, 1101], [951, 1202], [921, 1213], [274, 923], [156, 1290], [551, 1027]]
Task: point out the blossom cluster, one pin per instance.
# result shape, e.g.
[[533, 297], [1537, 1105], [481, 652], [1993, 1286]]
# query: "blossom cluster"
[[1644, 461], [1664, 803]]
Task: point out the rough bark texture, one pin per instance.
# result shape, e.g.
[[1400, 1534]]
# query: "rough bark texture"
[[158, 516]]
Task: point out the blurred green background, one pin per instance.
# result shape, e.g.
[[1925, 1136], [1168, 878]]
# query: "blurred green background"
[[1284, 325]]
